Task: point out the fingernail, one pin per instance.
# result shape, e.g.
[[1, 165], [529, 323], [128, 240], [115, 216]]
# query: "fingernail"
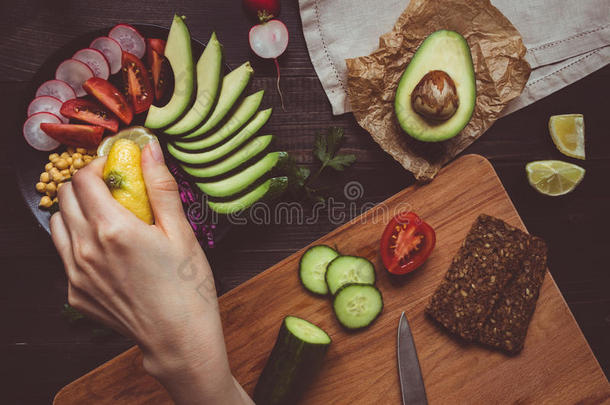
[[155, 151]]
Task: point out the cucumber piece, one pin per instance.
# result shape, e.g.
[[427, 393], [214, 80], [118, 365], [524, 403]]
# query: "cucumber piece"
[[240, 181], [295, 359], [312, 268], [208, 80], [242, 114], [267, 191], [209, 156], [233, 85], [180, 56], [349, 269], [252, 148], [357, 305]]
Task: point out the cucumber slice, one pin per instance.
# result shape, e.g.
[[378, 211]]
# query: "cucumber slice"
[[267, 191], [357, 305], [295, 359], [312, 268], [242, 114], [349, 269], [252, 148], [209, 156], [240, 181], [233, 84], [208, 80]]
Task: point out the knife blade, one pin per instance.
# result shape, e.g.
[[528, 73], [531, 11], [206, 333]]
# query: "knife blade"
[[411, 381]]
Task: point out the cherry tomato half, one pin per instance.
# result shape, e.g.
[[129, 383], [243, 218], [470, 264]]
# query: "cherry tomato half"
[[406, 243], [138, 83], [91, 112], [155, 49], [109, 96]]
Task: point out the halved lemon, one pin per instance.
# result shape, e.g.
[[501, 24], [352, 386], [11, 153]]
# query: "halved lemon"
[[554, 177], [140, 135], [568, 134]]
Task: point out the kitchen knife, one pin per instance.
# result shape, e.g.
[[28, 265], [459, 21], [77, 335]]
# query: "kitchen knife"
[[411, 381]]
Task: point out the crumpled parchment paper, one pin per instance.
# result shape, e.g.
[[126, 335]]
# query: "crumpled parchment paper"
[[500, 68]]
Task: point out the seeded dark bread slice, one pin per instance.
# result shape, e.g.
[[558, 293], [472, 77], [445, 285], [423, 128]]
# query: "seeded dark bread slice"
[[484, 265], [506, 326]]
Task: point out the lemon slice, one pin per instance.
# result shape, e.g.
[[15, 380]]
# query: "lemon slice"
[[140, 135], [568, 133], [554, 177]]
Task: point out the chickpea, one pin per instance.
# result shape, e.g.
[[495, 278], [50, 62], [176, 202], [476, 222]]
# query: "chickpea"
[[41, 187], [55, 200], [76, 155], [48, 166], [92, 152], [87, 159], [45, 201], [59, 185], [57, 177], [64, 155], [45, 177], [70, 150], [78, 163], [82, 151], [53, 157], [61, 164], [66, 173], [51, 189], [69, 160]]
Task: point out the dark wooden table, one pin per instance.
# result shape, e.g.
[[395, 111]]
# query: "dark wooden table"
[[40, 352]]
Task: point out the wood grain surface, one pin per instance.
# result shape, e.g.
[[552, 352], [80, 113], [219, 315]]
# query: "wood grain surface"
[[41, 352], [555, 366]]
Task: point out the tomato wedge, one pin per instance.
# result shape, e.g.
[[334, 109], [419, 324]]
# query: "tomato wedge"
[[91, 112], [406, 243], [84, 136], [155, 49], [109, 96], [138, 83]]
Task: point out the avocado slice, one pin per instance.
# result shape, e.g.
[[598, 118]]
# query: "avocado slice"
[[208, 79], [180, 56], [243, 113], [443, 53], [270, 189], [252, 148], [233, 85], [240, 181], [209, 156]]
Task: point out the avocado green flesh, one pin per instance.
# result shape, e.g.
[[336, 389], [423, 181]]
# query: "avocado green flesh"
[[240, 181], [252, 148], [208, 79], [232, 86], [242, 114], [267, 190], [242, 136], [180, 56], [447, 51]]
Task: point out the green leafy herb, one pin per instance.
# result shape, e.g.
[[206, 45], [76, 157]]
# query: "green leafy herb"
[[71, 313]]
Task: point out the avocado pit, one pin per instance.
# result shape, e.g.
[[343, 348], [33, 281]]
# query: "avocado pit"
[[435, 96]]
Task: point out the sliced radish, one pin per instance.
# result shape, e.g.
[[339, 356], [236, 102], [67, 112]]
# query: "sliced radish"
[[130, 39], [111, 50], [95, 60], [75, 73], [269, 40], [35, 137], [47, 104], [56, 88]]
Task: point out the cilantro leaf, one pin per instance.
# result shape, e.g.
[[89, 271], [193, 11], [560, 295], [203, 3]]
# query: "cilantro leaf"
[[340, 162], [327, 144]]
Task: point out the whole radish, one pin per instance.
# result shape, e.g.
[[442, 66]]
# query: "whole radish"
[[269, 40], [263, 10]]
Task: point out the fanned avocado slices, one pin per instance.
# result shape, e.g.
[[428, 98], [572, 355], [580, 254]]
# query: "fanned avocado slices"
[[268, 190]]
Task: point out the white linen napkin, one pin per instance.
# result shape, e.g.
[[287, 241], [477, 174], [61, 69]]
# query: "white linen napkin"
[[566, 40]]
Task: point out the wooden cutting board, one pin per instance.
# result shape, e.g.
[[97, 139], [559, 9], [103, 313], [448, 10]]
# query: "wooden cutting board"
[[556, 365]]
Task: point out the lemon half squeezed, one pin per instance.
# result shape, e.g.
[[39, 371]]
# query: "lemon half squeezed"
[[568, 134], [554, 177], [140, 135]]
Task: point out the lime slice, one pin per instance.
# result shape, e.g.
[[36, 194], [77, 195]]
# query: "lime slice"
[[140, 135], [568, 134], [554, 177]]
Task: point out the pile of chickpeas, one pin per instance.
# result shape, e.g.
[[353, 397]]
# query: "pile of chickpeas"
[[61, 168]]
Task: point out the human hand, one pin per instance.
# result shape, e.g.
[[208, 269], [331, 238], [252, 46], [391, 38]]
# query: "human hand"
[[149, 282]]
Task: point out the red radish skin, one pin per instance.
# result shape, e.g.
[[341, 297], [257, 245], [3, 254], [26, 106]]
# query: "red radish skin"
[[129, 39], [262, 10], [96, 61], [35, 136], [56, 88], [47, 104], [269, 40], [75, 73], [111, 50]]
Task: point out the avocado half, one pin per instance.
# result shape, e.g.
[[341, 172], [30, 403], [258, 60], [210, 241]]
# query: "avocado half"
[[446, 51]]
